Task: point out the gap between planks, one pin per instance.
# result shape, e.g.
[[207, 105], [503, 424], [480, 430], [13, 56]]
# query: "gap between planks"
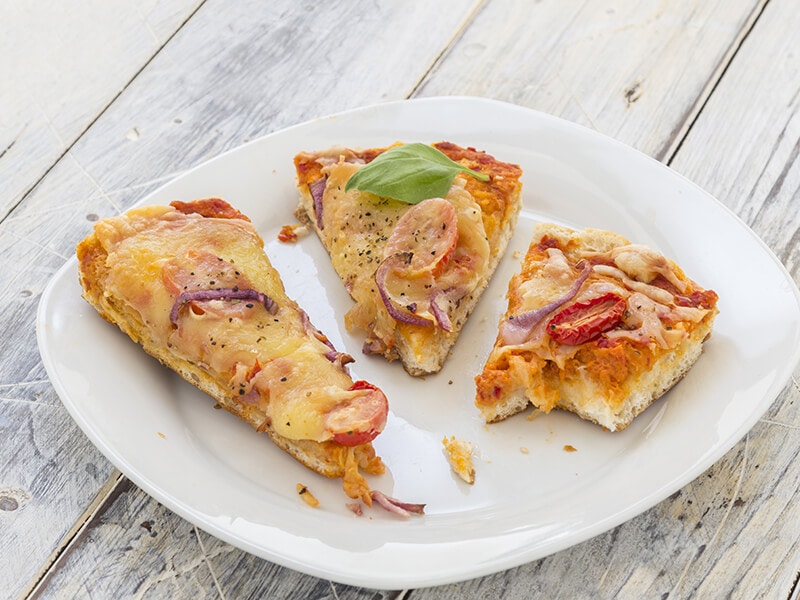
[[457, 34], [91, 123], [115, 485], [680, 133]]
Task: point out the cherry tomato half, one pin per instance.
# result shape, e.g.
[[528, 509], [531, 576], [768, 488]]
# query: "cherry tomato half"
[[361, 419], [585, 321]]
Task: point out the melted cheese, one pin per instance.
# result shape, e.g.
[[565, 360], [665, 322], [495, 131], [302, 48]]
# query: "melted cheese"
[[270, 360], [653, 324], [356, 227], [551, 281]]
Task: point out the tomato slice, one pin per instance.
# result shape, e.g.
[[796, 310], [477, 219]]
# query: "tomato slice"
[[429, 231], [585, 321], [361, 419]]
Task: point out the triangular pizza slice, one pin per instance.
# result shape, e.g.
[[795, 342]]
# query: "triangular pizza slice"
[[414, 248], [595, 325], [191, 283]]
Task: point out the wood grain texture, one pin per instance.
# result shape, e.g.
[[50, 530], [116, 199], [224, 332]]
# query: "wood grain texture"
[[636, 71], [142, 550], [44, 458], [67, 62], [645, 73]]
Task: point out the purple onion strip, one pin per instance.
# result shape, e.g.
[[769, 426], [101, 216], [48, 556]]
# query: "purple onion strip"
[[441, 316], [317, 190], [221, 294], [396, 312], [516, 329], [393, 505], [341, 359]]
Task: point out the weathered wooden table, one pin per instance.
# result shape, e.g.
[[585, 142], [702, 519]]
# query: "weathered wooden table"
[[103, 102]]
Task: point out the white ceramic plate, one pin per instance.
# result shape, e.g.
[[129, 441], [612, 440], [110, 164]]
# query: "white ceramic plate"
[[531, 497]]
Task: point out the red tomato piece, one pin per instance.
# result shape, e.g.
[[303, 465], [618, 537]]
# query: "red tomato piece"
[[361, 419], [429, 231], [585, 321]]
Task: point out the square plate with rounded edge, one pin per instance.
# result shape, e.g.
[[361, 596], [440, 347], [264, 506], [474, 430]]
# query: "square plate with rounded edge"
[[531, 497]]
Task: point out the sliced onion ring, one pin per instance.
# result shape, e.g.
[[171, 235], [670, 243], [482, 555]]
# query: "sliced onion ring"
[[221, 294], [516, 329], [396, 312]]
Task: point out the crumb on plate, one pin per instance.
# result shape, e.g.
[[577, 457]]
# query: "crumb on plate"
[[306, 495], [459, 454]]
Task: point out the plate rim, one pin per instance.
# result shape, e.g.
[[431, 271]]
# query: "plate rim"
[[360, 578]]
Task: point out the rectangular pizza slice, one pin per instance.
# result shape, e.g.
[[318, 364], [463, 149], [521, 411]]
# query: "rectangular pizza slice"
[[595, 325], [191, 283], [414, 264]]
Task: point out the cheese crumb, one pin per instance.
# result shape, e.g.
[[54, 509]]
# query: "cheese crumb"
[[524, 450], [459, 454], [307, 496]]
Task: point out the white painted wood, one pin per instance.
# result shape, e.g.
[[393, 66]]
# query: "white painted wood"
[[156, 554], [201, 95], [63, 63], [636, 71]]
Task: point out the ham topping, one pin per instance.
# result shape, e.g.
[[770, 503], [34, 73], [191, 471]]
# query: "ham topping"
[[645, 264], [418, 249]]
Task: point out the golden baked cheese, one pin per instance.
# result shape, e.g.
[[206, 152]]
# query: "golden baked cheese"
[[595, 325]]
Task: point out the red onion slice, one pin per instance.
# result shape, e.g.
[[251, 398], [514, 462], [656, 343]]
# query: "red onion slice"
[[317, 190], [220, 294], [441, 316], [393, 505], [338, 358], [397, 313], [516, 329]]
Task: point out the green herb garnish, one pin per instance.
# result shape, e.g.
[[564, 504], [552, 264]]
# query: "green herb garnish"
[[409, 173]]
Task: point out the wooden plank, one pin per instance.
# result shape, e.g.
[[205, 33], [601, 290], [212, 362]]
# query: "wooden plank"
[[636, 71], [158, 554], [68, 61], [195, 99], [744, 150]]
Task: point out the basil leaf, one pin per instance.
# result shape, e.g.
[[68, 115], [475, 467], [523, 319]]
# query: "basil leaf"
[[409, 173]]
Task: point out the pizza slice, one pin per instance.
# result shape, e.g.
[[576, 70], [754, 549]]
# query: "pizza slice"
[[191, 283], [414, 243], [595, 325]]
